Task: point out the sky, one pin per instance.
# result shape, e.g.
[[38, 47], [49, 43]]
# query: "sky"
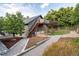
[[31, 9]]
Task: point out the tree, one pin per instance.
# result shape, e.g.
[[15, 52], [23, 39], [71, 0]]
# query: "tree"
[[14, 23], [63, 16], [76, 18], [1, 23], [66, 16], [20, 24], [76, 14]]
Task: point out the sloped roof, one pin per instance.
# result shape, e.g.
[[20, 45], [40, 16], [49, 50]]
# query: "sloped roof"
[[27, 21], [3, 48]]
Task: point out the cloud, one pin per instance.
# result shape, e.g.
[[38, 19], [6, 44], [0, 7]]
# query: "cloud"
[[28, 9], [13, 8], [44, 5]]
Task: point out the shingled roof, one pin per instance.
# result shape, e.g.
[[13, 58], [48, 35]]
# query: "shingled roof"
[[27, 21]]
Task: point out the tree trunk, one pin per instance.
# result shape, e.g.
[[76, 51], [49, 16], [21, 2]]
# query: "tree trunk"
[[13, 34]]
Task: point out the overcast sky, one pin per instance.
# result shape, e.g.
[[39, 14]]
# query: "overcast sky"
[[32, 9]]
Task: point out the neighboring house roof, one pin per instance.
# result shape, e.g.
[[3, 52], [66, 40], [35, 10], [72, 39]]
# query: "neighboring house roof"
[[5, 34], [46, 21], [2, 33], [3, 48], [54, 23]]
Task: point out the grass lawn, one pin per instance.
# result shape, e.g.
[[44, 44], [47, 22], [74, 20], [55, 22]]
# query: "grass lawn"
[[60, 32], [64, 47]]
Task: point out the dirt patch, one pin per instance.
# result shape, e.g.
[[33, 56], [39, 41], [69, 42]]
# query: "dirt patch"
[[34, 40]]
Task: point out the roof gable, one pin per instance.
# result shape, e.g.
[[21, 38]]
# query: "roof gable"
[[27, 21]]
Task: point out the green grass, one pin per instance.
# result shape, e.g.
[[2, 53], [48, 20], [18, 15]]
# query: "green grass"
[[76, 41], [60, 32], [64, 47]]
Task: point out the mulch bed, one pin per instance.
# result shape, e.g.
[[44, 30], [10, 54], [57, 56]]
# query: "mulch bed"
[[11, 41]]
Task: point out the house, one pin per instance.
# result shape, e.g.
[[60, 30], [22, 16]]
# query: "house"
[[34, 26]]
